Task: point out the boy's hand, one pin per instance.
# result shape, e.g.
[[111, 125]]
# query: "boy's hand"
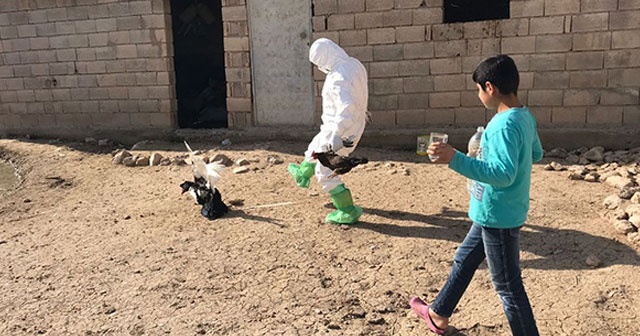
[[444, 152]]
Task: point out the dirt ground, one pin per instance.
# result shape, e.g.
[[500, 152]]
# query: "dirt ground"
[[93, 248]]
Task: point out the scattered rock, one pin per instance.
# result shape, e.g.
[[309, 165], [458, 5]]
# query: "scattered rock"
[[377, 321], [634, 237], [241, 170], [635, 220], [575, 176], [633, 209], [628, 192], [120, 156], [594, 154], [592, 177], [165, 162], [583, 161], [90, 140], [620, 182], [225, 160], [142, 161], [129, 161], [274, 160], [560, 153], [635, 198], [557, 167], [155, 159], [406, 172], [139, 145], [573, 159], [593, 261], [104, 142], [624, 226], [243, 162], [612, 202]]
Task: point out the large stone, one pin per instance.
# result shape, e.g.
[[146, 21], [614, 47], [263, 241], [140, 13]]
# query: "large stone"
[[594, 154], [560, 153], [633, 209], [628, 192], [635, 199], [155, 159], [635, 220], [573, 159], [612, 202], [120, 156], [620, 182], [624, 226], [241, 170], [225, 160], [142, 161], [592, 177], [243, 162]]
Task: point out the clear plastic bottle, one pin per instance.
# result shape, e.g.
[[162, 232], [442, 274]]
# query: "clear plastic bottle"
[[473, 149]]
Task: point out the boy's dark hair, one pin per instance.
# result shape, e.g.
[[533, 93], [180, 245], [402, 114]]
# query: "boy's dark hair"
[[499, 70]]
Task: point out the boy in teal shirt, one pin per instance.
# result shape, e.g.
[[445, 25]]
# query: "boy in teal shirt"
[[499, 201]]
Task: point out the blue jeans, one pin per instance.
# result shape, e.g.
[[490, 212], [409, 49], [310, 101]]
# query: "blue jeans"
[[502, 250]]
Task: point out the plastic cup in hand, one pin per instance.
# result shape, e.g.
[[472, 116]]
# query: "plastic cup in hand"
[[437, 137]]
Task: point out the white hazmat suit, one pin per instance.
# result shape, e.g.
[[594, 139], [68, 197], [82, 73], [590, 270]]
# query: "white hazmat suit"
[[344, 113]]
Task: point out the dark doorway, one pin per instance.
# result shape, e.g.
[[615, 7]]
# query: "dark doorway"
[[475, 10], [199, 63]]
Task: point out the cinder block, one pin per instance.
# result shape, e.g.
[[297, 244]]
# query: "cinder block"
[[621, 59], [383, 69], [38, 43], [631, 115], [236, 44], [547, 62], [46, 29], [470, 116], [604, 115], [410, 3], [546, 25], [341, 21], [383, 102], [239, 104], [418, 84], [40, 69], [629, 77], [390, 52], [449, 82], [381, 36], [379, 5], [118, 92], [470, 98], [319, 23], [470, 63], [146, 78], [363, 53], [416, 117], [446, 66], [619, 96], [351, 6], [560, 7], [551, 80], [593, 22], [581, 97], [625, 20], [410, 34], [480, 29], [444, 99], [440, 117], [518, 45], [569, 116], [474, 47], [397, 18], [387, 86], [413, 67], [383, 118], [588, 79], [418, 50], [592, 41], [369, 20], [446, 32], [512, 27], [129, 22], [105, 25], [545, 97], [353, 38], [427, 16], [588, 6], [628, 4], [491, 47], [553, 43], [585, 60], [78, 94], [529, 8], [626, 39], [325, 7], [140, 7], [450, 48], [155, 21]]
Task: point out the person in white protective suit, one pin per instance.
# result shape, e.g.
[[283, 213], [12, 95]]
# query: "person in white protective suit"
[[344, 116]]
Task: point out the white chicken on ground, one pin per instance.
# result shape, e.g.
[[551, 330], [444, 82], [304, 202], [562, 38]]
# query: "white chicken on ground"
[[202, 189]]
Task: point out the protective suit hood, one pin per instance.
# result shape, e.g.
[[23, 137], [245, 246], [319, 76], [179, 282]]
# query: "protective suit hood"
[[326, 55]]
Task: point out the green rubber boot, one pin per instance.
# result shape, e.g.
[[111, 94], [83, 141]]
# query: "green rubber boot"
[[302, 173], [347, 213]]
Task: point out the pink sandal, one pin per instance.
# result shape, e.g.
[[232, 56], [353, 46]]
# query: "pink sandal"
[[422, 310]]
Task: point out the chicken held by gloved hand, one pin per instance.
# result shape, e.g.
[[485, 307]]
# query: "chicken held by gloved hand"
[[344, 117], [202, 189], [337, 163]]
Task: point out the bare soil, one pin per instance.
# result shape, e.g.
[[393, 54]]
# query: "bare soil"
[[92, 248]]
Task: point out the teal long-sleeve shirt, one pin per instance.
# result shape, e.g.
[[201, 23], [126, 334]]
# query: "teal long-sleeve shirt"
[[502, 170]]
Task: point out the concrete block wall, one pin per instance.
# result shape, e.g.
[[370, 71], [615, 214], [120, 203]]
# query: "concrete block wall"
[[579, 60], [237, 63], [76, 66]]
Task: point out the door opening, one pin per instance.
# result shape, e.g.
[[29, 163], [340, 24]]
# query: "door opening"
[[199, 63]]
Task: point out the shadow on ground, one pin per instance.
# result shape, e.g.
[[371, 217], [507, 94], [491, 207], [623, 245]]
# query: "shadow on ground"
[[556, 249]]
